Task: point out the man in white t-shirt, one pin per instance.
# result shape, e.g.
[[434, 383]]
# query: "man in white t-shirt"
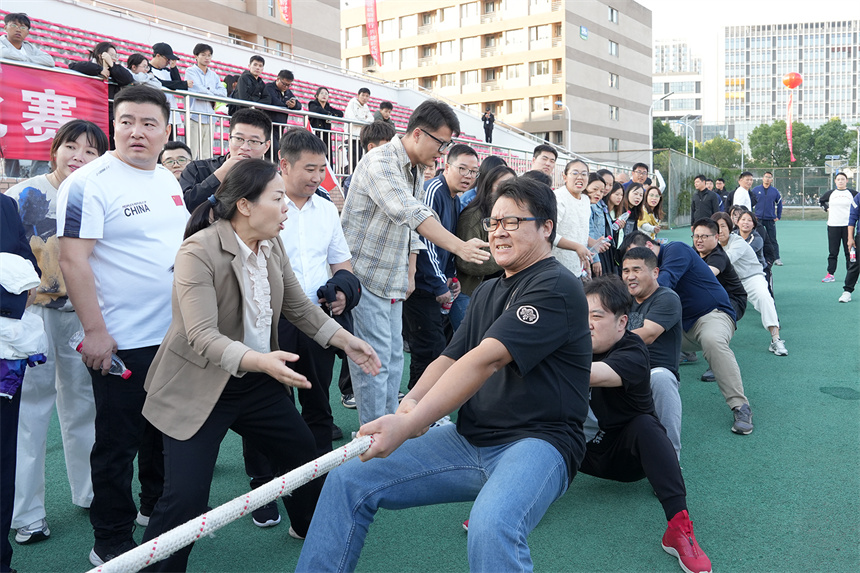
[[357, 109], [742, 195], [120, 220]]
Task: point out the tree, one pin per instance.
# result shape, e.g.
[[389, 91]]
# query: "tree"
[[831, 138], [769, 147], [665, 138], [720, 152]]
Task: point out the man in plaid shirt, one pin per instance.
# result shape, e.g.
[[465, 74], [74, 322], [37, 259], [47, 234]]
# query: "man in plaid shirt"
[[382, 218]]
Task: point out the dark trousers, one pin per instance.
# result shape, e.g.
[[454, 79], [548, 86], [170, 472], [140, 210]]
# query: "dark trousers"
[[835, 236], [344, 382], [770, 227], [639, 449], [260, 410], [488, 135], [426, 332], [355, 155], [9, 409], [853, 270], [121, 434]]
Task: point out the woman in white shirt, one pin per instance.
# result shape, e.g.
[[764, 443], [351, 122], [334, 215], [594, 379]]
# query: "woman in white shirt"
[[837, 203]]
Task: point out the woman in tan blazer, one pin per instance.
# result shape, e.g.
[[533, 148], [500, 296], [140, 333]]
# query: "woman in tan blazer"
[[215, 369]]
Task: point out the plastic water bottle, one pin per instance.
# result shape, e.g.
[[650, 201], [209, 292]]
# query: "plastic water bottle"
[[620, 221], [852, 254], [117, 367], [595, 248], [446, 306]]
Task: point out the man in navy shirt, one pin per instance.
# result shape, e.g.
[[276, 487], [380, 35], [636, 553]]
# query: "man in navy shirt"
[[708, 318], [768, 210], [434, 266]]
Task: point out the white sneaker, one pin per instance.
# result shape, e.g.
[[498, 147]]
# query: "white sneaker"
[[778, 347], [846, 297]]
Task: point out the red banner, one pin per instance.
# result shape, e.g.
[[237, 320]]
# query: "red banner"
[[35, 102], [372, 30], [329, 183], [788, 127], [286, 11]]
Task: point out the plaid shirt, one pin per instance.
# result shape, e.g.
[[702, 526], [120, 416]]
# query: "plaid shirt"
[[382, 210]]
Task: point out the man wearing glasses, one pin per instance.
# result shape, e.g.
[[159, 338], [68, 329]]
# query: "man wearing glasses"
[[14, 45], [382, 220], [518, 369], [434, 268], [250, 131], [639, 175], [175, 156]]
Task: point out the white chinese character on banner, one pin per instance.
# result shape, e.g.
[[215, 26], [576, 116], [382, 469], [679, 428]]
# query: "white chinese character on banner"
[[2, 126], [47, 112]]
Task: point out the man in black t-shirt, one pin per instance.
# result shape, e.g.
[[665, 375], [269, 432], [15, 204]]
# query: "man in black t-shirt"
[[656, 318], [631, 443], [519, 366]]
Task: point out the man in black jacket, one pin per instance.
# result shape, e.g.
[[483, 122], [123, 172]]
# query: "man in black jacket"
[[251, 86], [704, 203], [163, 64], [280, 95]]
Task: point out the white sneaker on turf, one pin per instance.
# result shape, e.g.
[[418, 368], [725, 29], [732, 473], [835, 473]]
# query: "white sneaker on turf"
[[778, 347], [846, 297]]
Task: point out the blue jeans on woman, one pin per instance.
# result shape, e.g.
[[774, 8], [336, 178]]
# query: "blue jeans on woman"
[[512, 486]]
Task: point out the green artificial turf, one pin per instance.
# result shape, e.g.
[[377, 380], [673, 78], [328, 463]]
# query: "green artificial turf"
[[784, 498]]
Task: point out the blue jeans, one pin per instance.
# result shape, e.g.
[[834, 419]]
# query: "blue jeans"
[[512, 486], [379, 323], [458, 310]]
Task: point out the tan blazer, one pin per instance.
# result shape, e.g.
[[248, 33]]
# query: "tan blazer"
[[203, 346]]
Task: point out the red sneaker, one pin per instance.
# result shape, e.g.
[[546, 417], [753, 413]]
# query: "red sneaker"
[[466, 525], [680, 541]]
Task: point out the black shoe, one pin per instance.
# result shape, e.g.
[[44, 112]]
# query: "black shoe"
[[336, 433], [101, 555], [708, 376], [348, 401], [267, 515]]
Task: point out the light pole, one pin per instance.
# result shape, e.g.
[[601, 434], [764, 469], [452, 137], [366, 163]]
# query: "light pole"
[[857, 171], [651, 132], [742, 152], [687, 140], [569, 132]]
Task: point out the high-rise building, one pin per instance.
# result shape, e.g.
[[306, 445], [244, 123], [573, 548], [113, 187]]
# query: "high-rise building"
[[520, 57], [678, 73], [757, 58]]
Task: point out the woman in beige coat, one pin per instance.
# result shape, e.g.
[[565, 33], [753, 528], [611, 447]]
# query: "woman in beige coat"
[[216, 370]]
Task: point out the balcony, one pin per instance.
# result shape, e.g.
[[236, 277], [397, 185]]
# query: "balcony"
[[428, 61], [557, 41], [490, 86], [557, 78], [427, 28], [490, 17], [490, 51], [540, 44]]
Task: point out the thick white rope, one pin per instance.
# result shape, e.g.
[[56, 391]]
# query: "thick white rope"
[[172, 541]]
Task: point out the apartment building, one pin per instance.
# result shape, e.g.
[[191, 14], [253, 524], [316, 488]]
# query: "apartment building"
[[518, 58]]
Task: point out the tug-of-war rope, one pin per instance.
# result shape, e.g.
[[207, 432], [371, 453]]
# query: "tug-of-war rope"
[[172, 541]]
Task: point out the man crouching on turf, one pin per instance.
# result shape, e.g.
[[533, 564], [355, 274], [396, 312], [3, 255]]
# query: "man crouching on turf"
[[631, 443], [518, 369]]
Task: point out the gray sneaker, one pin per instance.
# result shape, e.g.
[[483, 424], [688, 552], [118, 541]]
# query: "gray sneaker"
[[33, 533], [743, 420], [708, 376], [688, 357]]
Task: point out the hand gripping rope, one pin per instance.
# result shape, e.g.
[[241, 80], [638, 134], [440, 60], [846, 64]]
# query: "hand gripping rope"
[[172, 541]]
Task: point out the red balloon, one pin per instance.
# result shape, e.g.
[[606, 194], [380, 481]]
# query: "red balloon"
[[792, 80]]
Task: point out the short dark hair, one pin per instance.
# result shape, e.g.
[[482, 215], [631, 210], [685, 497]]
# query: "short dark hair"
[[638, 165], [699, 177], [135, 60], [720, 179], [363, 91], [635, 239], [254, 117], [298, 140], [286, 75], [200, 48], [708, 223], [543, 147], [709, 179], [460, 149], [386, 105], [767, 173], [142, 94], [172, 145], [72, 130], [256, 58], [533, 196], [378, 132], [17, 18], [744, 174], [433, 114], [723, 216], [642, 254], [611, 292], [538, 175]]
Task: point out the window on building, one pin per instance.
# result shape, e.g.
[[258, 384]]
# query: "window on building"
[[448, 15], [471, 47], [613, 48], [447, 80], [614, 113], [613, 144], [468, 13], [613, 15], [517, 106], [489, 7], [514, 71], [408, 25], [539, 68], [469, 78], [408, 57], [492, 74], [388, 60], [446, 49], [427, 83], [427, 50], [515, 38], [537, 33], [541, 103], [614, 82], [427, 18], [271, 4], [354, 64]]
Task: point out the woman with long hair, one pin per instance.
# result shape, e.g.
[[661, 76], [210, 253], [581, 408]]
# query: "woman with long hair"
[[634, 197], [652, 214], [320, 104], [218, 367], [104, 63], [64, 379], [597, 229]]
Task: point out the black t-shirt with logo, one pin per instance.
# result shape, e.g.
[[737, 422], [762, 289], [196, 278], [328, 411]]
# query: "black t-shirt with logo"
[[540, 315], [664, 308], [616, 407]]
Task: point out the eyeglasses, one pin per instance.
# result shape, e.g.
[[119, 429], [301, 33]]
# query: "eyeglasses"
[[14, 26], [508, 223], [241, 141], [574, 173], [175, 162], [466, 172], [701, 237], [641, 172], [443, 145]]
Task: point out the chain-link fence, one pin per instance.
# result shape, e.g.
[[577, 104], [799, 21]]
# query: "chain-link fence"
[[800, 188], [679, 170]]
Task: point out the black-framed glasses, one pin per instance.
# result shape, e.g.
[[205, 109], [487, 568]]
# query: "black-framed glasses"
[[701, 237], [175, 162], [466, 172], [508, 223], [443, 145], [252, 143]]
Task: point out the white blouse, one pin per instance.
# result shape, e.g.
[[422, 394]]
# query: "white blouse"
[[257, 304]]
